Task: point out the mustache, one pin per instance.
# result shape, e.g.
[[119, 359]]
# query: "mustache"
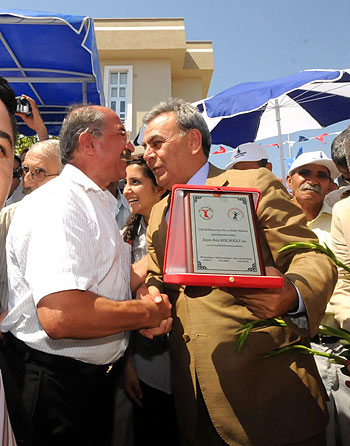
[[313, 187], [126, 155]]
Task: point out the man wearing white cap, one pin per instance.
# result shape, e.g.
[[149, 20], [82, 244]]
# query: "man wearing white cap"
[[310, 177], [249, 156]]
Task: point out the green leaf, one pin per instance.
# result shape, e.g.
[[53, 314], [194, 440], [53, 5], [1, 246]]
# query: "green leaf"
[[250, 326], [243, 337], [316, 247], [307, 351], [331, 331]]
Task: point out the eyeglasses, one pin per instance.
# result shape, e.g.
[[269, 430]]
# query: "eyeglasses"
[[38, 174], [17, 172], [123, 133]]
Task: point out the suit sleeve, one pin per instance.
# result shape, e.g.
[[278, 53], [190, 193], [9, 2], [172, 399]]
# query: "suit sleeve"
[[313, 273], [340, 303], [155, 262]]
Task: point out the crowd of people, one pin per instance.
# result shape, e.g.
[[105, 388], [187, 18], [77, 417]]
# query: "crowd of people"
[[98, 349]]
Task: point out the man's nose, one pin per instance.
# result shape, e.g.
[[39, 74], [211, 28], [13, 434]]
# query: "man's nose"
[[130, 147], [148, 153], [28, 179], [314, 179]]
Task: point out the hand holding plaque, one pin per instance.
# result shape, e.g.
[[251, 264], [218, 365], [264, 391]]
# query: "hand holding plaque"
[[223, 233]]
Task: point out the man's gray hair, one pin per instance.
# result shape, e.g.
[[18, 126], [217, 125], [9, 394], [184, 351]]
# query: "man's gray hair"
[[51, 149], [339, 146], [79, 119], [187, 118]]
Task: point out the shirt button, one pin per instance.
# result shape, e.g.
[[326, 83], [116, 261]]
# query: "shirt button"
[[186, 337]]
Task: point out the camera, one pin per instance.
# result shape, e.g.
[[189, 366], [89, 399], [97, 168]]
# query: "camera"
[[23, 106]]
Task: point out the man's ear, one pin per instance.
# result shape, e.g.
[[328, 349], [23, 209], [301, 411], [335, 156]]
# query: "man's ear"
[[194, 140], [289, 182], [160, 190], [86, 143]]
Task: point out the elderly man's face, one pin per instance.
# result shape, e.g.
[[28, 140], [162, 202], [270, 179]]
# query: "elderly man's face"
[[6, 153], [38, 169], [109, 146], [310, 183], [166, 151]]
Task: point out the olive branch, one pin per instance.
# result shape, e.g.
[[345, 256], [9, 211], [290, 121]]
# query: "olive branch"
[[325, 330]]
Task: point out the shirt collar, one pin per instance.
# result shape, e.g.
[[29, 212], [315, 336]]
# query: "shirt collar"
[[122, 201], [78, 176], [325, 209], [142, 227], [200, 177]]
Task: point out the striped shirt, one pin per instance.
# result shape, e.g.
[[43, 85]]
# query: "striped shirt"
[[64, 237]]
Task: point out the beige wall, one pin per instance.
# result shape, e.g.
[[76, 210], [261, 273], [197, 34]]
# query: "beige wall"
[[151, 84], [189, 89], [164, 64]]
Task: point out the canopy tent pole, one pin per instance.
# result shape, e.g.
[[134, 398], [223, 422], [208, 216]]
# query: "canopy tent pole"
[[84, 88], [290, 145], [14, 58], [52, 78], [278, 121]]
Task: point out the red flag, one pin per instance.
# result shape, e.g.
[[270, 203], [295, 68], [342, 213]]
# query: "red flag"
[[221, 150], [272, 145], [320, 137]]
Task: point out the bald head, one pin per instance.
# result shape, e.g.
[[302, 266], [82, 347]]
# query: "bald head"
[[41, 164]]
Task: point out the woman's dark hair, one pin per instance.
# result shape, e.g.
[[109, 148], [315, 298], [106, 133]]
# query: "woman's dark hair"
[[133, 222]]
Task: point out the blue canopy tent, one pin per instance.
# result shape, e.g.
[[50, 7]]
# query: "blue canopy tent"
[[52, 58], [258, 110]]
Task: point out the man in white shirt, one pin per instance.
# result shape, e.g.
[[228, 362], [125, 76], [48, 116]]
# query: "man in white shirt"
[[69, 288], [309, 178], [42, 164]]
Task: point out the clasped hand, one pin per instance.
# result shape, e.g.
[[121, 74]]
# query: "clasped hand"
[[160, 309]]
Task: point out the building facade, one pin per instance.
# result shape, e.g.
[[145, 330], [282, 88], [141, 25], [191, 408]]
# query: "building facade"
[[144, 61]]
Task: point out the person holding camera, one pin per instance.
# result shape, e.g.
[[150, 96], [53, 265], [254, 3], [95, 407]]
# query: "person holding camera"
[[28, 110]]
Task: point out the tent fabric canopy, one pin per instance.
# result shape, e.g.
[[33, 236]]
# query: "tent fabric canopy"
[[305, 100], [52, 58]]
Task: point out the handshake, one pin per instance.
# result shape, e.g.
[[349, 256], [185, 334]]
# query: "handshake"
[[159, 308]]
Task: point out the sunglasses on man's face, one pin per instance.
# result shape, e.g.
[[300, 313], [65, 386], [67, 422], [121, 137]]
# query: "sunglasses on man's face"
[[17, 173]]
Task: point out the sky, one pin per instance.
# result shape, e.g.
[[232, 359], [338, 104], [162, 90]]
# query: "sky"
[[253, 40]]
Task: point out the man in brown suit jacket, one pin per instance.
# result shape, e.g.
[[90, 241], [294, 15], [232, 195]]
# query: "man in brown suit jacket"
[[222, 397]]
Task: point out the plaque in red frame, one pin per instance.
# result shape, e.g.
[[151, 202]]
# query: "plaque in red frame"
[[212, 238]]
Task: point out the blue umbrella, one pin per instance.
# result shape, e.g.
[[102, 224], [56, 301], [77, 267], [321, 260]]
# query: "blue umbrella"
[[52, 58], [257, 110]]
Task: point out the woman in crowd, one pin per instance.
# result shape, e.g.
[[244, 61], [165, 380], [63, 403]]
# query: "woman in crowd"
[[147, 371]]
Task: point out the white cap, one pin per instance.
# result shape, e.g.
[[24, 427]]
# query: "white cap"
[[318, 157], [250, 151]]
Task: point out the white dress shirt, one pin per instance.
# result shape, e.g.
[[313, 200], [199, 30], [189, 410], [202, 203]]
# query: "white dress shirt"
[[64, 237]]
